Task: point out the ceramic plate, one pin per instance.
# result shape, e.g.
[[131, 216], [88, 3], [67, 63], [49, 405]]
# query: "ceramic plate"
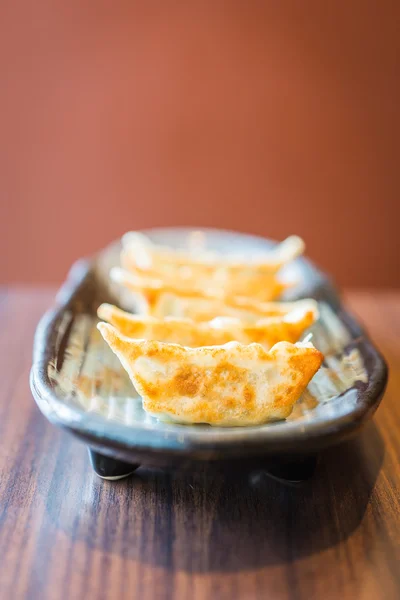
[[80, 385]]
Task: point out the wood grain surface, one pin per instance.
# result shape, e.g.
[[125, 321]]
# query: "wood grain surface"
[[65, 534]]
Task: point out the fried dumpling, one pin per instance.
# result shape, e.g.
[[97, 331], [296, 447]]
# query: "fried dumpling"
[[146, 255], [222, 283], [219, 274], [230, 385], [154, 297], [267, 331]]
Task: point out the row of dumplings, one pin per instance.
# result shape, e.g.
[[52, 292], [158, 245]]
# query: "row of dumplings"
[[209, 343]]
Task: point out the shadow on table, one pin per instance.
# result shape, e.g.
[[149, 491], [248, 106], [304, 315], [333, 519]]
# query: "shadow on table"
[[211, 522]]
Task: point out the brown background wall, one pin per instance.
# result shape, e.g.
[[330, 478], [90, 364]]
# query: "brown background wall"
[[267, 117]]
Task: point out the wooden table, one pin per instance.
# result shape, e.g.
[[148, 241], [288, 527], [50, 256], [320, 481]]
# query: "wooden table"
[[64, 533]]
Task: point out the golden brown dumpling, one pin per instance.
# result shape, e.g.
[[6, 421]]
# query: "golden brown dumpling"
[[158, 299], [267, 331], [220, 275], [230, 385], [147, 256]]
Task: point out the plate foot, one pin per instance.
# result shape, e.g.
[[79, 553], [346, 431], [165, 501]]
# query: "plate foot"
[[110, 468], [295, 471]]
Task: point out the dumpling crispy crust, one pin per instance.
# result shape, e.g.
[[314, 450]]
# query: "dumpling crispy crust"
[[267, 331], [174, 300], [229, 385]]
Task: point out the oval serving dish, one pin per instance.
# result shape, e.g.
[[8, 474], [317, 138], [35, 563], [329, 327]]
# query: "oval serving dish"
[[79, 384]]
